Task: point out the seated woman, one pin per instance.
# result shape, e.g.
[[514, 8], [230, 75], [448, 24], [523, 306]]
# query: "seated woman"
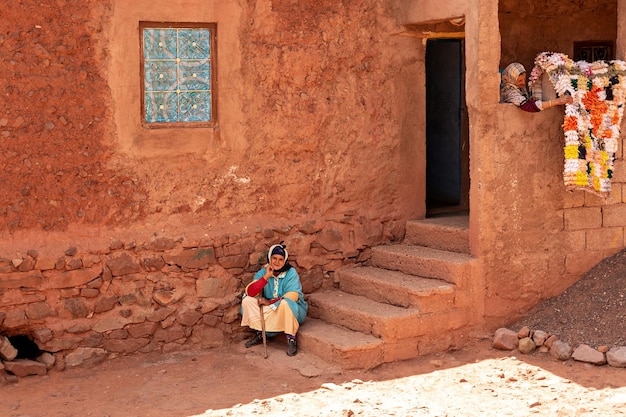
[[280, 297], [513, 90]]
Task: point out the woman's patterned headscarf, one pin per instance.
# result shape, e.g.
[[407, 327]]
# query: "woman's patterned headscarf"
[[511, 72], [509, 92]]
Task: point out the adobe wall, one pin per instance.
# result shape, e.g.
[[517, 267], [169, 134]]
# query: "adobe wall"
[[105, 225], [540, 238], [552, 26], [534, 238], [319, 101]]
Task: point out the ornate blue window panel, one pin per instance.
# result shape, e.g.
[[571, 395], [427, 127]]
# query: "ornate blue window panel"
[[178, 74]]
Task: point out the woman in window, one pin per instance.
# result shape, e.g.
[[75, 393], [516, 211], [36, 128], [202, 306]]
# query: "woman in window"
[[513, 90], [276, 290]]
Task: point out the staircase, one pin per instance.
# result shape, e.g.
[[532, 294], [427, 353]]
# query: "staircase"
[[415, 299]]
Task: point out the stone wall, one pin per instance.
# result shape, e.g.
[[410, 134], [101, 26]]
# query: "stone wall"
[[166, 294]]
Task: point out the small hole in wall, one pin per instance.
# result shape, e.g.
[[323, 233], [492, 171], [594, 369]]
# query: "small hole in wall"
[[26, 348]]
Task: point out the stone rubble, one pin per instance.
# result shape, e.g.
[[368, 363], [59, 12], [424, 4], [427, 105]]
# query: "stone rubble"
[[12, 367], [527, 341], [7, 351], [25, 367], [617, 357]]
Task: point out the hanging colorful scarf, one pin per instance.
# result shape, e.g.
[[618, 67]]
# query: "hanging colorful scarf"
[[592, 122]]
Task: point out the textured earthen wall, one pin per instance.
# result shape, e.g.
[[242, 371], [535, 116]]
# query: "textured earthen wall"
[[552, 26], [55, 106], [536, 238], [533, 238], [314, 146], [311, 122], [540, 238]]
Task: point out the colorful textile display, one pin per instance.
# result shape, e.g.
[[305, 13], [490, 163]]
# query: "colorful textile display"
[[592, 122]]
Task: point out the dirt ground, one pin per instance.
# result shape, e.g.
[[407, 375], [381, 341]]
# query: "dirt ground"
[[475, 381]]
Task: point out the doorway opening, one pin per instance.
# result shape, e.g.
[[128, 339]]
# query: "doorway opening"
[[447, 129], [25, 347]]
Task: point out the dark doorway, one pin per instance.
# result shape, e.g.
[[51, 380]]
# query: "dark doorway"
[[447, 144]]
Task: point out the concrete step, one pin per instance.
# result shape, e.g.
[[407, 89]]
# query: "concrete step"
[[452, 267], [448, 233], [397, 333], [361, 314], [397, 288], [347, 348]]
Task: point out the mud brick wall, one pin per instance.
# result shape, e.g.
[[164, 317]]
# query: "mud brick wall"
[[163, 295]]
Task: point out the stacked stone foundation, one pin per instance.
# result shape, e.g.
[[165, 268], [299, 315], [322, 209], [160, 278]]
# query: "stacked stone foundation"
[[165, 295]]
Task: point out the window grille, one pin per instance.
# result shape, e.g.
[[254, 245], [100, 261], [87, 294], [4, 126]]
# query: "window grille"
[[178, 74], [594, 51]]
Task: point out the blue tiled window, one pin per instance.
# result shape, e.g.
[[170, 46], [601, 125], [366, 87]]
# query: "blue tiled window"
[[178, 74]]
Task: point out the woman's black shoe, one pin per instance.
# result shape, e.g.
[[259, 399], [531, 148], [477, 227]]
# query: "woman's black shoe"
[[292, 347], [257, 339]]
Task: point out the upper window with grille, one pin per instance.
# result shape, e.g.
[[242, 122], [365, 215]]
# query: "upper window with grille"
[[594, 51], [178, 64]]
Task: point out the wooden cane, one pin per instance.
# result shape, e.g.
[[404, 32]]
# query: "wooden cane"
[[263, 331]]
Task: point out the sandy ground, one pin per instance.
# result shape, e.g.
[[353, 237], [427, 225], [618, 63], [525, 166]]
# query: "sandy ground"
[[234, 381]]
